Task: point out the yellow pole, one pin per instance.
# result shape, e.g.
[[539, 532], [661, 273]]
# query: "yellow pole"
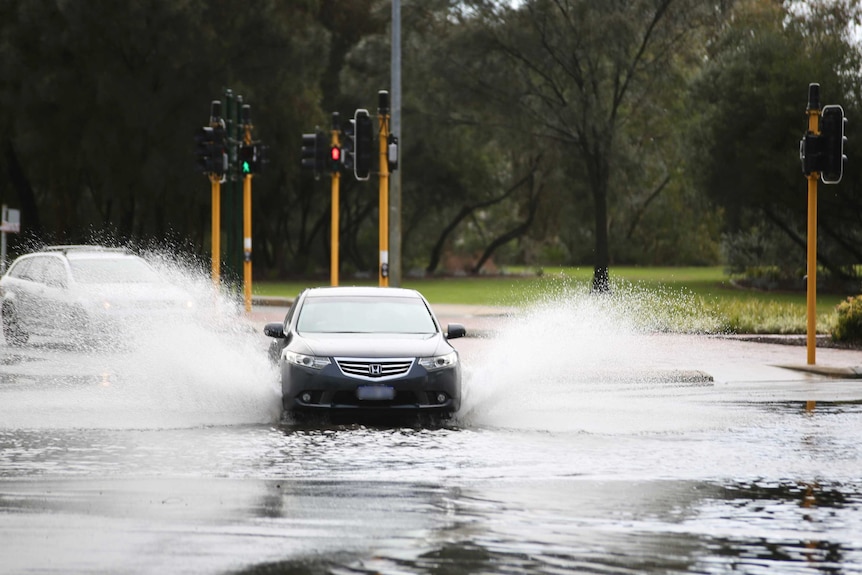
[[246, 240], [384, 200], [334, 223], [811, 299], [333, 258], [216, 230], [811, 296]]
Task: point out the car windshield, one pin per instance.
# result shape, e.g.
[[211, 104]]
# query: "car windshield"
[[112, 270], [365, 315]]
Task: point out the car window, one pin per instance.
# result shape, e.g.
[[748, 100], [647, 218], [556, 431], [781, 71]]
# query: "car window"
[[19, 268], [35, 270], [365, 315], [289, 317], [112, 270], [54, 273]]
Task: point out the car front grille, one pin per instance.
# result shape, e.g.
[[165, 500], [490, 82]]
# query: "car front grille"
[[375, 369]]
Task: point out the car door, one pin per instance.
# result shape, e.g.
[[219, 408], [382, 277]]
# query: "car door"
[[57, 312], [17, 286], [28, 290]]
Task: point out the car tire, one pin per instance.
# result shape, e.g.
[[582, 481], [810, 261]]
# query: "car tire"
[[12, 330]]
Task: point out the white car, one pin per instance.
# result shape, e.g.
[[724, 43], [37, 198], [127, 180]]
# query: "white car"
[[73, 292]]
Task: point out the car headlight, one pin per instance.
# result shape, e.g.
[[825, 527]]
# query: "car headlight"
[[439, 361], [310, 361]]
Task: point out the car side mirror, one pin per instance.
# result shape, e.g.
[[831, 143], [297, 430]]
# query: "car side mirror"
[[455, 330], [274, 330]]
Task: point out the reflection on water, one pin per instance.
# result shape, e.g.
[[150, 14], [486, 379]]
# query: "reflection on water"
[[782, 493]]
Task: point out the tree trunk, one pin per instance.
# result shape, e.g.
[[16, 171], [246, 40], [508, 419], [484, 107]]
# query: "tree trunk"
[[599, 180], [601, 277]]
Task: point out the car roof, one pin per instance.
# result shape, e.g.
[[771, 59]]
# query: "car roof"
[[364, 291], [89, 250], [80, 252]]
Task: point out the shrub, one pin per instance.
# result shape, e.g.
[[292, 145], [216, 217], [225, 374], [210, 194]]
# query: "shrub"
[[848, 325]]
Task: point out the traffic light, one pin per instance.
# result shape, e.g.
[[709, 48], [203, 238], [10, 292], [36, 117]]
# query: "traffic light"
[[252, 158], [832, 123], [314, 151], [219, 154], [246, 159], [261, 154], [335, 159], [348, 136], [210, 153], [203, 149], [363, 143]]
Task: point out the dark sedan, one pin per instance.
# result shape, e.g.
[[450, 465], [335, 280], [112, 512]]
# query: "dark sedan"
[[344, 349]]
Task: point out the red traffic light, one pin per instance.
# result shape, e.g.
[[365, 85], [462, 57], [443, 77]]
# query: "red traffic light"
[[335, 153]]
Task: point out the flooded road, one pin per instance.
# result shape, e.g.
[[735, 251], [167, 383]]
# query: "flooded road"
[[584, 446]]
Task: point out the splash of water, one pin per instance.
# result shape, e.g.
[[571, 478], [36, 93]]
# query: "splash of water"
[[593, 363], [207, 367]]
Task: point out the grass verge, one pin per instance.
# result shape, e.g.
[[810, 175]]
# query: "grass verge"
[[694, 298]]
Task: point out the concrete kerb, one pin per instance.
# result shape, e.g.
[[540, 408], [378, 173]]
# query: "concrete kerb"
[[823, 342], [850, 372]]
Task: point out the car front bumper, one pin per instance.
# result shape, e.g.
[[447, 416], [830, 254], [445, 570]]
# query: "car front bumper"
[[305, 389]]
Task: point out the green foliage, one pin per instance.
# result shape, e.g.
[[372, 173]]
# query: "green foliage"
[[764, 258], [521, 123], [848, 325], [747, 106]]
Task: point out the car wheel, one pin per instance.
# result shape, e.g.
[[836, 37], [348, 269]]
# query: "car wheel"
[[12, 330]]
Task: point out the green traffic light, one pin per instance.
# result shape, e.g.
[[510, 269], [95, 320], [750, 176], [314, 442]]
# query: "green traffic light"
[[246, 168]]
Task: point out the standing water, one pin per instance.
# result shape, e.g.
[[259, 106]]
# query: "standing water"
[[596, 436]]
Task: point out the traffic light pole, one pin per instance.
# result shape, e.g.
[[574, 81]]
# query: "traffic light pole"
[[811, 297], [813, 112], [216, 229], [336, 203], [246, 227], [383, 137]]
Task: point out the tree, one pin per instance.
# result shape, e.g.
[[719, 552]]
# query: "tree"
[[748, 107], [98, 115], [586, 74]]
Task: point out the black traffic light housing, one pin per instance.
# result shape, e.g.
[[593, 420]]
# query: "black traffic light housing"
[[252, 158], [247, 159], [348, 144], [315, 150], [832, 124], [210, 153], [203, 149], [363, 142]]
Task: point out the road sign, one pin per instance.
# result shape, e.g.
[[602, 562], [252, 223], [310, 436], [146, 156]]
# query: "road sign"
[[11, 221]]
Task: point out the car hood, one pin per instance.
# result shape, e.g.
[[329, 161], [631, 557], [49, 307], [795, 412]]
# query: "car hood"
[[371, 345]]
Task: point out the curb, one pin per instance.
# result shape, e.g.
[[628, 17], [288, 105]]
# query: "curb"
[[837, 372], [271, 301]]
